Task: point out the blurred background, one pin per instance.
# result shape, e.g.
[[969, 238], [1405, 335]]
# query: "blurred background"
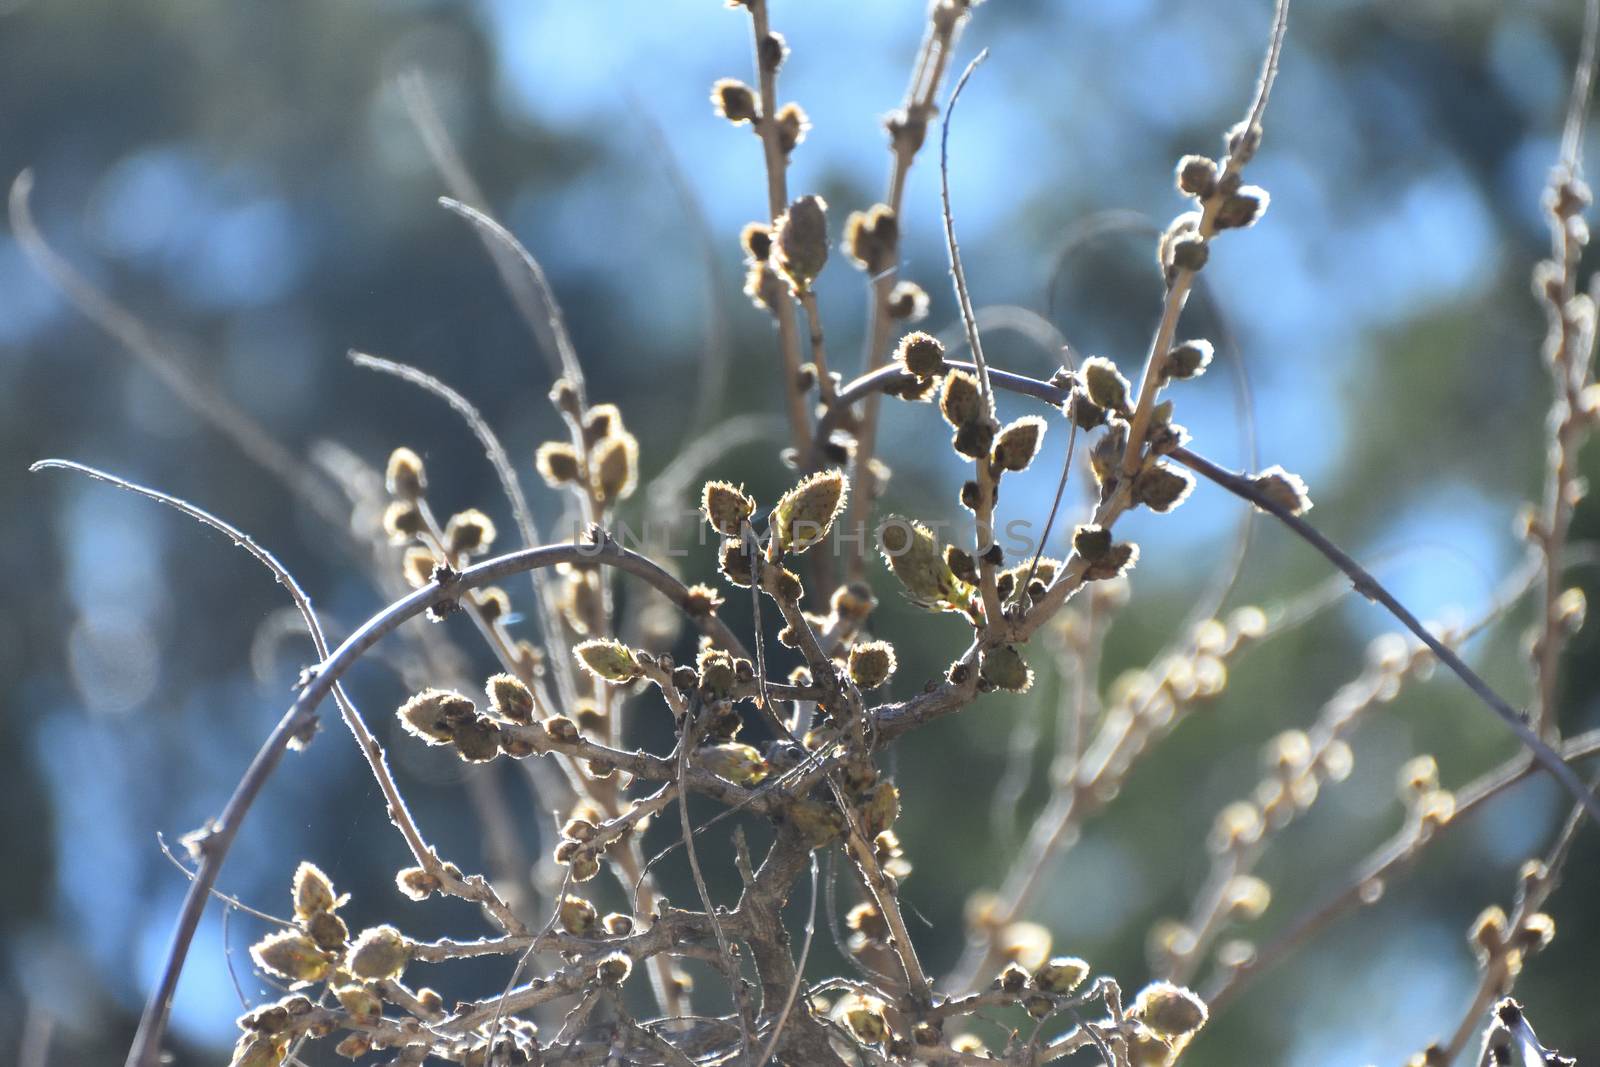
[[245, 179]]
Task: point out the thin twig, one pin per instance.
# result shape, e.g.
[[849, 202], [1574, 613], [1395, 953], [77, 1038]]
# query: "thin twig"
[[1369, 587], [155, 354], [510, 484]]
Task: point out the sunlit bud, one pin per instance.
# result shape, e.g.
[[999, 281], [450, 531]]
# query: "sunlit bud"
[[434, 713], [771, 52], [1239, 824], [803, 515], [1488, 932], [1084, 413], [313, 892], [734, 101], [1536, 932], [360, 1002], [818, 822], [1018, 443], [1242, 208], [577, 916], [756, 240], [871, 663], [1169, 1010], [617, 924], [557, 462], [510, 698], [1060, 975], [917, 560], [801, 248], [960, 400], [1161, 486], [907, 302], [1024, 943], [614, 969], [417, 566], [1570, 609], [974, 439], [1285, 490], [291, 955], [615, 470], [564, 397], [608, 660], [402, 520], [1118, 560], [880, 808], [1189, 359], [734, 762], [864, 1015], [792, 126], [1197, 176], [1246, 897], [921, 353], [469, 532], [477, 740], [416, 883], [872, 238], [405, 477], [1418, 775], [380, 952], [1004, 668], [1105, 384]]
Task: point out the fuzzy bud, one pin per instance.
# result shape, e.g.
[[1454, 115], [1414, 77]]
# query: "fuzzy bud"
[[1117, 561], [1060, 975], [577, 916], [380, 952], [1189, 359], [469, 532], [914, 555], [907, 302], [416, 883], [362, 1003], [1242, 209], [1161, 486], [610, 661], [792, 126], [734, 101], [921, 353], [1018, 443], [756, 240], [734, 762], [1286, 490], [1105, 384], [1197, 176], [292, 955], [872, 238], [1169, 1010], [871, 663], [615, 470], [313, 892], [803, 515], [1004, 668], [402, 521], [726, 508], [557, 462], [405, 477], [802, 242], [510, 698], [614, 969], [960, 400], [433, 714]]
